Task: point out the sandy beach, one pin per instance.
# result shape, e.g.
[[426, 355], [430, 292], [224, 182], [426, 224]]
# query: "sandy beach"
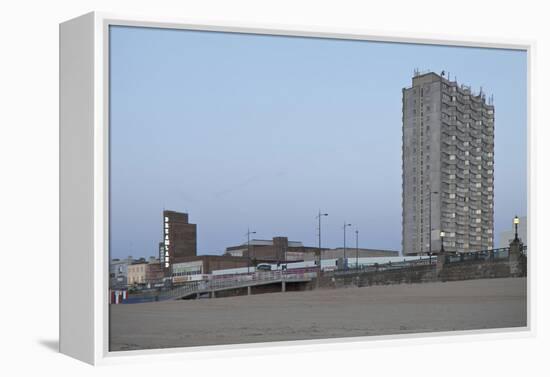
[[348, 312]]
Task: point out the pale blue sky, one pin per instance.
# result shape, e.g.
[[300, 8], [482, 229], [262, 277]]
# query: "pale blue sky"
[[245, 130]]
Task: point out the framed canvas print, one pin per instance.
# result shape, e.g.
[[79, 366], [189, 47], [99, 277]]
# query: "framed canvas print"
[[229, 185]]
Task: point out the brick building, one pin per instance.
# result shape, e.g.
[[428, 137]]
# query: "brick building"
[[205, 264], [154, 273], [281, 249], [277, 249], [180, 238]]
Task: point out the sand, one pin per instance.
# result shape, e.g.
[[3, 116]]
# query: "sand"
[[347, 312]]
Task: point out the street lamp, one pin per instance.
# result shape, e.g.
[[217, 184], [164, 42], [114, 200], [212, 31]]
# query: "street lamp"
[[319, 217], [442, 234], [356, 249], [516, 222], [248, 233], [345, 226]]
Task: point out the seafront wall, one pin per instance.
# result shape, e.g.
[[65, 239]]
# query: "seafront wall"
[[452, 271]]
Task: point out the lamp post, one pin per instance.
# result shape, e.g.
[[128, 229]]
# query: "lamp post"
[[430, 221], [319, 218], [356, 249], [516, 222], [345, 226], [442, 234], [248, 233]]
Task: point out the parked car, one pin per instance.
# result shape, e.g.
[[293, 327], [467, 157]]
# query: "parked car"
[[263, 267]]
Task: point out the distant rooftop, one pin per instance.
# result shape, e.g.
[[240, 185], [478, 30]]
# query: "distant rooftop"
[[445, 76], [256, 242]]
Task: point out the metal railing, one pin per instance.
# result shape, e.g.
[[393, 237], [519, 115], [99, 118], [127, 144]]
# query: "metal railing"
[[483, 255], [390, 266], [216, 283]]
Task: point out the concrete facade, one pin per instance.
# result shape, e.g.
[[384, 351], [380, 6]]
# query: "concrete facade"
[[137, 273], [448, 165]]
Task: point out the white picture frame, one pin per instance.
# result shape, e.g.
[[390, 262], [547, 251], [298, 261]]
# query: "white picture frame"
[[84, 180]]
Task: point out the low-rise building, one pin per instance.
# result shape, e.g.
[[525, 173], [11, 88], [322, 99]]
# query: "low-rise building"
[[205, 264], [154, 273], [280, 249], [118, 272], [276, 249], [187, 271], [137, 273], [352, 252]]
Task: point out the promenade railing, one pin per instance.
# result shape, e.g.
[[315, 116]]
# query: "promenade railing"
[[220, 282]]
